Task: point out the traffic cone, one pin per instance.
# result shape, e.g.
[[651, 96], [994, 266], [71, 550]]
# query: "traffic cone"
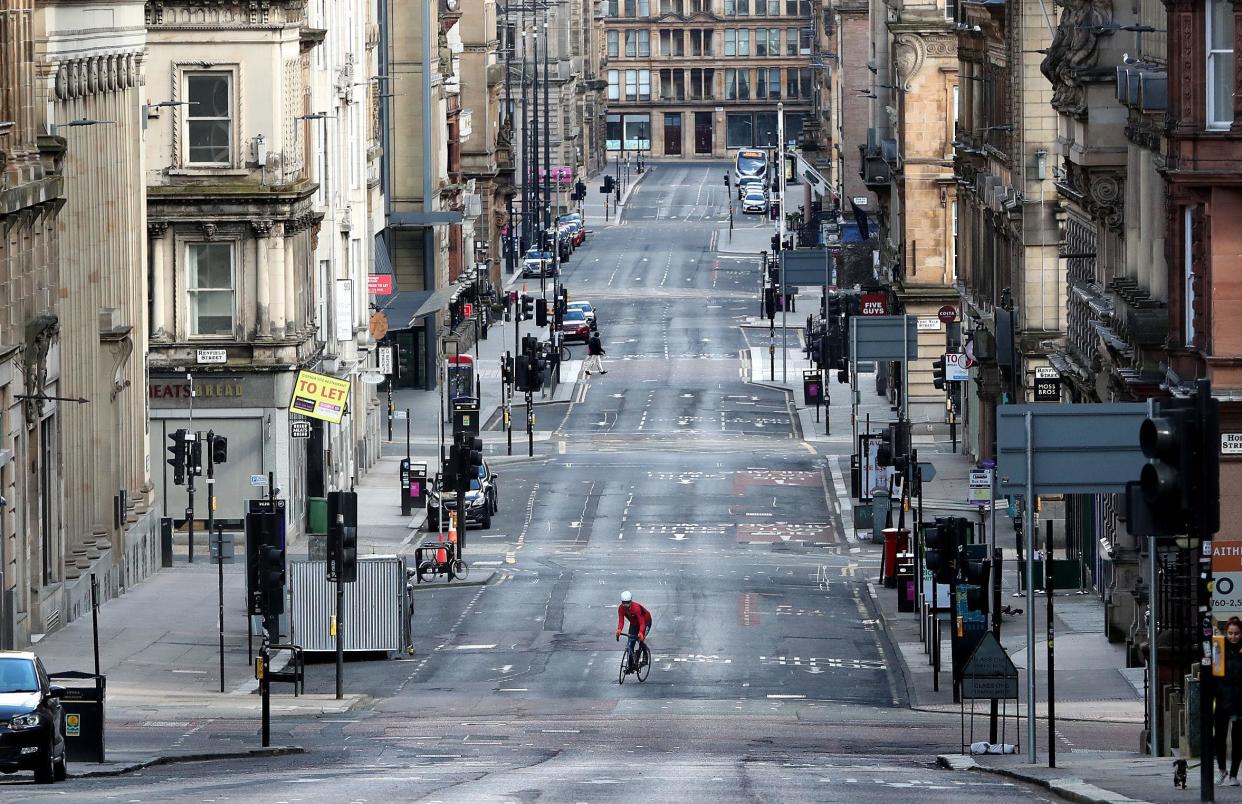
[[452, 529]]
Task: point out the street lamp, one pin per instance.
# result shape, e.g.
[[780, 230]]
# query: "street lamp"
[[81, 121], [149, 113]]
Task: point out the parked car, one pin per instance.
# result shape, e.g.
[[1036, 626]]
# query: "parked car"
[[480, 506], [538, 263], [576, 225], [587, 310], [574, 326], [755, 201], [747, 183], [31, 731]]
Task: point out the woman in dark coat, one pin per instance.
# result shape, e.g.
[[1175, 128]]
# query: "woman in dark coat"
[[1229, 704]]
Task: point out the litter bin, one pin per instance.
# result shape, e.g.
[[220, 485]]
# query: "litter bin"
[[905, 585], [83, 708]]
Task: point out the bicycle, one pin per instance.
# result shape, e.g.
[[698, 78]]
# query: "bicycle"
[[642, 655]]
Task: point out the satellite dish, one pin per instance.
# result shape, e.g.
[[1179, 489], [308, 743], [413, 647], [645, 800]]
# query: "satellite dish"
[[373, 377]]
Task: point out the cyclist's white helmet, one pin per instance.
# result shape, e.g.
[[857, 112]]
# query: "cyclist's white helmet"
[[626, 597]]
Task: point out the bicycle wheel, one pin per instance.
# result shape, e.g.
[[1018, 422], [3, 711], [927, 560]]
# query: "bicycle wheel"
[[644, 662], [459, 569], [565, 353], [621, 673], [426, 571]]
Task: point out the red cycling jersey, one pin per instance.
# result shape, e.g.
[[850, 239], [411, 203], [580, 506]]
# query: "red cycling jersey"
[[636, 614]]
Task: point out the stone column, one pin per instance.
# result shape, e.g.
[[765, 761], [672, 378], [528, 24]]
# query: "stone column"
[[262, 280], [279, 311], [160, 280]]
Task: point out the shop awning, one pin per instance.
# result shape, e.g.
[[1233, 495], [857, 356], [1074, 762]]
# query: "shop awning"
[[405, 308]]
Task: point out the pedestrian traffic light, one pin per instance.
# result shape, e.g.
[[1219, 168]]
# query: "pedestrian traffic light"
[[1181, 482], [843, 373], [769, 303], [938, 373], [541, 313], [940, 551], [177, 451], [219, 449], [521, 373], [194, 455], [506, 369], [580, 191], [538, 371], [776, 244], [272, 579], [728, 183], [528, 307]]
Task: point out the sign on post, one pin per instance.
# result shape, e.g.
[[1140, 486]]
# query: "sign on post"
[[989, 672], [385, 360], [980, 490], [319, 396], [1081, 448], [955, 368], [1226, 579], [1047, 385], [885, 337]]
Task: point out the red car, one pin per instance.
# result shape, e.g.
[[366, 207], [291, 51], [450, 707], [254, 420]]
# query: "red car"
[[574, 326]]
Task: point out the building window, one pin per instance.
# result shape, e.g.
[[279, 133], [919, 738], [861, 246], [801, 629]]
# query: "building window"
[[737, 84], [769, 84], [730, 8], [761, 42], [1188, 277], [671, 7], [701, 84], [774, 41], [804, 41], [743, 41], [209, 119], [739, 130], [638, 44], [700, 6], [614, 38], [644, 85], [730, 42], [774, 8], [743, 8], [614, 9], [791, 41], [791, 84], [672, 43], [761, 9], [1220, 85], [614, 85], [210, 285]]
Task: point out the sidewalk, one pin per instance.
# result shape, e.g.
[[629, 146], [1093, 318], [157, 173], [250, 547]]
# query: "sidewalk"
[[593, 209]]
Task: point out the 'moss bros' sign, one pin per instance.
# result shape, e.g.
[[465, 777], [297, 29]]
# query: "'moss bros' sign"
[[319, 396]]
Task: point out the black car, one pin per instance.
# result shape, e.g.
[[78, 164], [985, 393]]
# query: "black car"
[[31, 731], [482, 500]]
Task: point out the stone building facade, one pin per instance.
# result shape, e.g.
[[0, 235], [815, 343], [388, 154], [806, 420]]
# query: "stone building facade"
[[233, 218], [701, 78], [92, 87], [847, 81], [32, 541]]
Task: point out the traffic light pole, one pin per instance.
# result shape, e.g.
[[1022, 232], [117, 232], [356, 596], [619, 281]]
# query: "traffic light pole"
[[339, 549], [1029, 514], [530, 425], [220, 599], [1052, 700], [189, 490]]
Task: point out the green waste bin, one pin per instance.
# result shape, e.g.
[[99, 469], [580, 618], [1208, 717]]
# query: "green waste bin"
[[317, 510], [83, 706]]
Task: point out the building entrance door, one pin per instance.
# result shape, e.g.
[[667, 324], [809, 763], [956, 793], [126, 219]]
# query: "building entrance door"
[[672, 134], [703, 133]]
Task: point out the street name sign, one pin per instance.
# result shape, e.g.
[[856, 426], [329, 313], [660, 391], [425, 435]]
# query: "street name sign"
[[211, 356], [1231, 443], [929, 325]]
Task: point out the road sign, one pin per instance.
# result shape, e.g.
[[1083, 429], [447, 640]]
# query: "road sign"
[[385, 360], [989, 672], [1084, 448], [1231, 443], [299, 428], [980, 486], [221, 544], [885, 337], [258, 480], [1226, 579], [319, 396], [927, 471], [947, 314], [955, 368], [211, 356]]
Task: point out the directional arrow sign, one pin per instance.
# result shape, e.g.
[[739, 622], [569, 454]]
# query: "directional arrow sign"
[[927, 471]]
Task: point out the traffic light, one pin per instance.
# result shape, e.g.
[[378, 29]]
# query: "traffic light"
[[521, 373], [886, 452], [1181, 482], [538, 371], [471, 457], [528, 307], [177, 451], [272, 579], [506, 369], [940, 551], [451, 470], [901, 445], [265, 565], [609, 184], [776, 244], [938, 373], [975, 574], [769, 303], [343, 536], [580, 191], [541, 313], [219, 449], [728, 182]]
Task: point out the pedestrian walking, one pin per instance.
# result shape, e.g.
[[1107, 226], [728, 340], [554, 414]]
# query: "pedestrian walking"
[[595, 355], [1229, 704]]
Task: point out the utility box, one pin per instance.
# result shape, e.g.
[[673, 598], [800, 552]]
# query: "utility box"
[[376, 606]]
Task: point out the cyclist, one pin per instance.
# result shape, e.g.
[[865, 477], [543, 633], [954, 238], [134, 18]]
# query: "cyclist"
[[640, 623]]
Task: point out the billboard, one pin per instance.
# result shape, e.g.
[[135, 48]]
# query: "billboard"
[[319, 396]]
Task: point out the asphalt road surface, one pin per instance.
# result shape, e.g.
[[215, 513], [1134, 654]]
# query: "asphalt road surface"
[[673, 478]]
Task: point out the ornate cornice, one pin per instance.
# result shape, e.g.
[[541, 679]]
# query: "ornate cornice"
[[210, 14], [1101, 192]]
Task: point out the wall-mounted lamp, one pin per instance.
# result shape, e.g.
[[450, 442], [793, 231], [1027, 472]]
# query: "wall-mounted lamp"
[[1041, 164]]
